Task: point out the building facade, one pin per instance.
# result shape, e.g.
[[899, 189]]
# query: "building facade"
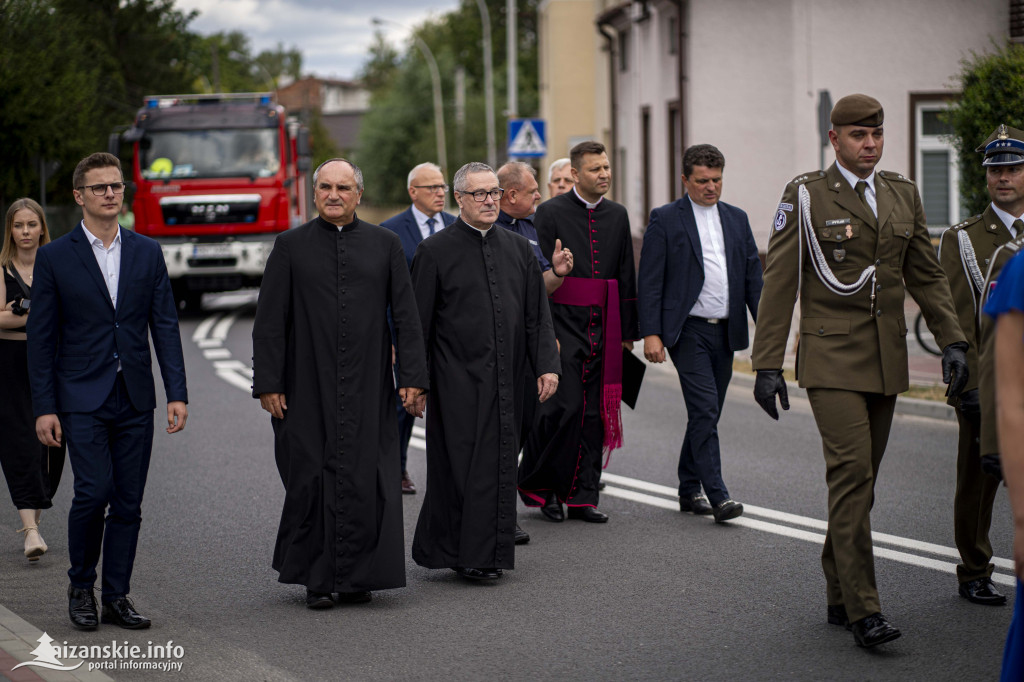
[[752, 77]]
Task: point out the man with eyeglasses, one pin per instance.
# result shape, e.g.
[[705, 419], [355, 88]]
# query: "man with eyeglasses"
[[99, 292], [595, 317], [322, 369], [485, 319], [424, 217]]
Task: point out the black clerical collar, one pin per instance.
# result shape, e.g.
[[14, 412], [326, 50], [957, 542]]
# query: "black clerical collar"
[[327, 225], [476, 230]]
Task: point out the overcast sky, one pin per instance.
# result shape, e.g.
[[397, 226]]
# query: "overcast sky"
[[333, 35]]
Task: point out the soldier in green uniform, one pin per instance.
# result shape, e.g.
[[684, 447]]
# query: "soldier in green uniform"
[[846, 240], [966, 254]]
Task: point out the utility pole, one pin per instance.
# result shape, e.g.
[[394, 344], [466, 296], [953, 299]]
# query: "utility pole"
[[485, 20]]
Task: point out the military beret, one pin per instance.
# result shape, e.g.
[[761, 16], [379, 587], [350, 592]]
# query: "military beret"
[[1004, 147], [857, 110]]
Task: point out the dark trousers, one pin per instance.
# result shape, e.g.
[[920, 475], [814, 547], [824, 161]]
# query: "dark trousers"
[[972, 505], [405, 422], [109, 450], [704, 364], [854, 430]]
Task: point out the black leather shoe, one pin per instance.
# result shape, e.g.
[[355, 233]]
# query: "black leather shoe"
[[82, 608], [553, 509], [837, 616], [121, 612], [982, 591], [695, 504], [479, 573], [521, 536], [588, 514], [873, 630], [318, 600], [354, 597], [726, 509]]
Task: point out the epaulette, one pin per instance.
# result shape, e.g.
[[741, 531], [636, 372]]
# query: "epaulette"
[[966, 223], [891, 175], [808, 177]]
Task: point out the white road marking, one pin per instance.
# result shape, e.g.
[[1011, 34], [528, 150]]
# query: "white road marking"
[[800, 534], [203, 328], [212, 331]]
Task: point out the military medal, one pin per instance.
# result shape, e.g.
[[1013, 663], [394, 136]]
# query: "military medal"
[[839, 255], [849, 231]]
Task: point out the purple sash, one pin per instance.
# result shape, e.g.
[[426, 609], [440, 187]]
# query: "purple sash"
[[604, 293]]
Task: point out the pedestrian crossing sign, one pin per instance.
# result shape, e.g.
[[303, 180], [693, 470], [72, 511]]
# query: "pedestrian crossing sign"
[[526, 137]]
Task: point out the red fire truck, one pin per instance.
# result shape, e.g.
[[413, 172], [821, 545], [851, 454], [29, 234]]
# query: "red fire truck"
[[216, 178]]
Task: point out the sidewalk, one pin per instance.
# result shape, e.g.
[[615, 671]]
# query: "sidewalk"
[[18, 639], [925, 370]]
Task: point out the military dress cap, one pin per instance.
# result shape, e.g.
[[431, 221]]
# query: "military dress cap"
[[857, 110], [1004, 147]]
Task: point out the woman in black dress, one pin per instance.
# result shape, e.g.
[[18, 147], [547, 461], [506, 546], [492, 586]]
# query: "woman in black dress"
[[32, 470]]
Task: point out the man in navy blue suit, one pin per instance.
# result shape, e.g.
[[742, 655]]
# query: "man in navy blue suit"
[[699, 269], [99, 292], [427, 189]]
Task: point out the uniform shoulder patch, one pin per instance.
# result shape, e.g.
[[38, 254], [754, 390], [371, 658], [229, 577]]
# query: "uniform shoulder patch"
[[893, 176]]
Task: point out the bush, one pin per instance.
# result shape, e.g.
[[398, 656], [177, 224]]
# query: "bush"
[[992, 87]]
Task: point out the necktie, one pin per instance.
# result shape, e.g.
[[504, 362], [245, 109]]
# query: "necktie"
[[1018, 227], [861, 189], [430, 224]]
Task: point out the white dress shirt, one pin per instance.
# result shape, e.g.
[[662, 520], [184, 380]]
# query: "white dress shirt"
[[1007, 219], [421, 221], [869, 192], [713, 301], [108, 258]]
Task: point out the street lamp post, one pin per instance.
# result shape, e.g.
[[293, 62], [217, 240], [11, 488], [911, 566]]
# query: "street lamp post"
[[485, 19], [435, 77]]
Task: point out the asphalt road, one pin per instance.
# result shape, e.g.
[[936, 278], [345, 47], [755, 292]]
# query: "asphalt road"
[[654, 594]]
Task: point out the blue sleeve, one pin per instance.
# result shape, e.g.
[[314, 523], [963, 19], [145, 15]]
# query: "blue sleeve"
[[1008, 291]]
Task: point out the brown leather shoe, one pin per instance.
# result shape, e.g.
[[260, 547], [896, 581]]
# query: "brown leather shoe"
[[408, 487]]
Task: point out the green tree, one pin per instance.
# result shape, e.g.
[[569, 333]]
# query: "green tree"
[[992, 90], [400, 126], [72, 70]]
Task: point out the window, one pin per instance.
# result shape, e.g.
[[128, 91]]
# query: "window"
[[673, 34], [935, 163], [1017, 20]]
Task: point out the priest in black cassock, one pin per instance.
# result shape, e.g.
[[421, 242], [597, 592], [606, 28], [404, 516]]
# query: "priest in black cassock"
[[482, 304], [595, 316], [322, 368]]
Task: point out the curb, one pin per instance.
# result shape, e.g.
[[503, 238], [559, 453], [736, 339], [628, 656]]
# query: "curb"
[[18, 638], [915, 407]]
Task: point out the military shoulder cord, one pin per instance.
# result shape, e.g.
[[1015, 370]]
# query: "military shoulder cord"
[[821, 267], [970, 260]]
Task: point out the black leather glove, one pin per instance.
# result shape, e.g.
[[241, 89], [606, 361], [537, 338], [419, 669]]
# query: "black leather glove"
[[768, 383], [991, 465], [970, 407], [954, 367]]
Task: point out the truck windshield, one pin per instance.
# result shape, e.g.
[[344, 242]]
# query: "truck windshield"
[[209, 153]]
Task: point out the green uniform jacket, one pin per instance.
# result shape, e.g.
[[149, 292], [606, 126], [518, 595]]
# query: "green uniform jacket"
[[965, 253], [845, 342], [989, 444]]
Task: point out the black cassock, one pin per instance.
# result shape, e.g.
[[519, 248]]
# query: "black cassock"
[[484, 313], [563, 452], [321, 337]]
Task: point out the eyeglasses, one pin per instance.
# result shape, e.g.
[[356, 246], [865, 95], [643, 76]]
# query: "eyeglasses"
[[433, 189], [101, 189], [481, 194]]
